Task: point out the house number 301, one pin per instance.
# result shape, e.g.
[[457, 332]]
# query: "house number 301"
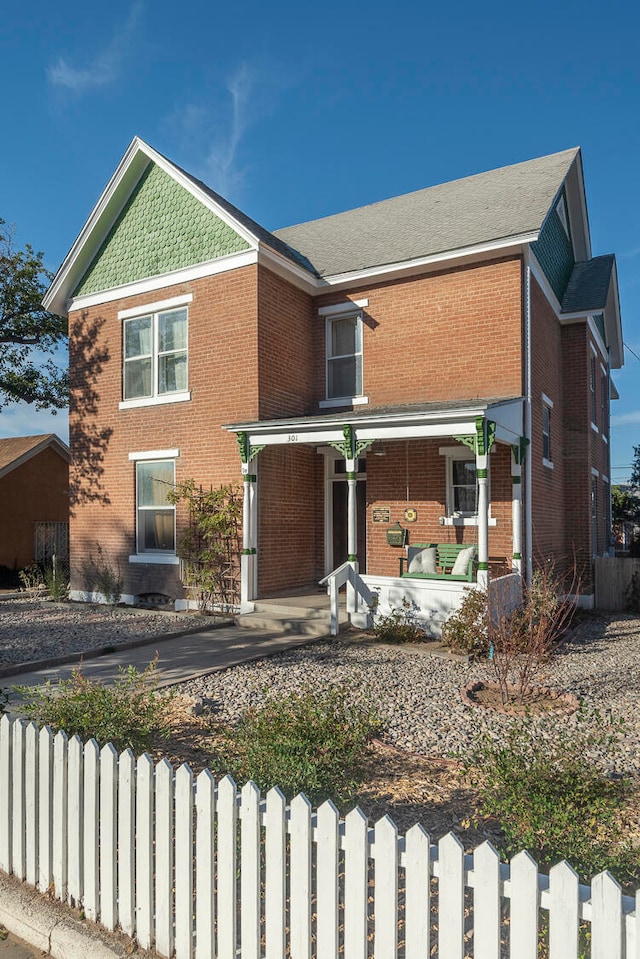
[[292, 438]]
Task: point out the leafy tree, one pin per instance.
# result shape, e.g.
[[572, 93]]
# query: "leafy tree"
[[625, 505], [635, 469], [29, 335]]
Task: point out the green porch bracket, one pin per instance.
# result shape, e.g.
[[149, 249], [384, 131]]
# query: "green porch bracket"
[[247, 451], [350, 447], [481, 442], [520, 450]]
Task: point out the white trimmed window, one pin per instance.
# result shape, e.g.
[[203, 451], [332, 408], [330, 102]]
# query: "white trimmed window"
[[462, 487], [155, 353], [561, 210], [592, 392], [547, 406], [343, 359], [155, 515], [344, 356]]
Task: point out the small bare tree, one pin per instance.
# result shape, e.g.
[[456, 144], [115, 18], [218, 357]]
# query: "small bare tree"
[[522, 642]]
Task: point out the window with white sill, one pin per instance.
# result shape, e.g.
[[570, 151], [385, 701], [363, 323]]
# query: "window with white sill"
[[344, 356], [155, 515], [155, 356]]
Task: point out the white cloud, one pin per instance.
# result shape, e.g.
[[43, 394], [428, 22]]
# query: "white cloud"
[[626, 419], [106, 65], [212, 133]]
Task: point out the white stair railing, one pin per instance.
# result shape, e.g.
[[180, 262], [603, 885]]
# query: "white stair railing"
[[358, 593]]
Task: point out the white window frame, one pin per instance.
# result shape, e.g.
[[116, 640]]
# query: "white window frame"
[[453, 518], [547, 408], [561, 210], [154, 310], [152, 557], [604, 403], [595, 512], [342, 311], [593, 390]]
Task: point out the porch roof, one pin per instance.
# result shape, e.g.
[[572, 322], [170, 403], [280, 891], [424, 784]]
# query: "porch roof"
[[412, 421]]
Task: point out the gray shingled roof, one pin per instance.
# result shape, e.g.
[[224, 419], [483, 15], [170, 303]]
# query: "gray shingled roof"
[[497, 205], [588, 286]]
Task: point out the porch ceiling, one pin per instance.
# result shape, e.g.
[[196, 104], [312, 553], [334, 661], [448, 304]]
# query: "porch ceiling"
[[425, 420]]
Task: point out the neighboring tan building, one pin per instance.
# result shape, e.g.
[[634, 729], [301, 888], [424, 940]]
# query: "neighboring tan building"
[[34, 500], [439, 360]]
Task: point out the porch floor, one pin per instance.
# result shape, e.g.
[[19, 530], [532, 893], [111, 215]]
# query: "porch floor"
[[306, 597]]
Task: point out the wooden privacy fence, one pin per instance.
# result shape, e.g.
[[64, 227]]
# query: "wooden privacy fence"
[[202, 870], [613, 577]]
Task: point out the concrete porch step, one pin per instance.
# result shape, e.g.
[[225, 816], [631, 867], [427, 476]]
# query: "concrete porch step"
[[308, 621]]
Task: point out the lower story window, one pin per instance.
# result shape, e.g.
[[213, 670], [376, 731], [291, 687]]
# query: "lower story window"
[[156, 516], [463, 496]]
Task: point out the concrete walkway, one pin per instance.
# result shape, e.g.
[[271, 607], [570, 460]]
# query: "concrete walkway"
[[180, 658]]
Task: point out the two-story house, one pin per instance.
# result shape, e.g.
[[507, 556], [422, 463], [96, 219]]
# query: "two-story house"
[[432, 368]]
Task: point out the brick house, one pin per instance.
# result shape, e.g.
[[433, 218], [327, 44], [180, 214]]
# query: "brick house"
[[34, 492], [438, 362]]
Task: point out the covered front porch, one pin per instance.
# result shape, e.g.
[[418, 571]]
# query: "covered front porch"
[[355, 491]]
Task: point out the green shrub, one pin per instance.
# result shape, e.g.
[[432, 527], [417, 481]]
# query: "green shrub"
[[127, 713], [307, 742], [550, 799], [466, 630], [56, 579], [401, 625]]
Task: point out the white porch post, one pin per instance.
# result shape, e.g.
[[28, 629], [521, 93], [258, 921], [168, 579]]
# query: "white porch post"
[[482, 472], [516, 507], [485, 431], [249, 557], [352, 531]]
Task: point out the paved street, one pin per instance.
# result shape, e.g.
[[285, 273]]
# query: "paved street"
[[12, 948]]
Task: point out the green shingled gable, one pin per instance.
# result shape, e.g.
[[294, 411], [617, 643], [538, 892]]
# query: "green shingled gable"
[[162, 227], [554, 252]]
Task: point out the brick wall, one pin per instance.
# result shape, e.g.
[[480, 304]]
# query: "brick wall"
[[223, 379], [449, 335], [37, 491]]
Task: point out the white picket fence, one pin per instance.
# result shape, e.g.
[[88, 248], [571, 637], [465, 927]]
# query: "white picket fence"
[[198, 869]]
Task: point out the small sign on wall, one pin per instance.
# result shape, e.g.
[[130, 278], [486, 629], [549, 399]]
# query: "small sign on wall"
[[381, 514], [410, 514]]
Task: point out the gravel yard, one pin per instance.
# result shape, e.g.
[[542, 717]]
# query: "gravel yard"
[[33, 630], [418, 693]]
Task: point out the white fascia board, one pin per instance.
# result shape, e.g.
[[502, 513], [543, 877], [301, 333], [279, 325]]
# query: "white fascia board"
[[284, 267], [580, 198], [481, 251], [96, 227], [544, 285], [223, 264], [613, 322], [597, 339], [454, 417], [136, 159]]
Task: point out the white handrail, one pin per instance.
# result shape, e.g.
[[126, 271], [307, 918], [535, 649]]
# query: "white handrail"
[[356, 589]]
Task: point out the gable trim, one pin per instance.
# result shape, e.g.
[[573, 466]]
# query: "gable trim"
[[223, 264], [135, 161]]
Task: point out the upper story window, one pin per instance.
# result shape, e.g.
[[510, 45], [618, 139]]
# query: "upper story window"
[[155, 355], [547, 406], [343, 338], [344, 356], [592, 390], [604, 403], [561, 210]]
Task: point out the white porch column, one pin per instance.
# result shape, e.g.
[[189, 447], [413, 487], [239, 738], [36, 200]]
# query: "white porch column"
[[352, 531], [516, 508], [485, 432], [482, 472], [249, 557]]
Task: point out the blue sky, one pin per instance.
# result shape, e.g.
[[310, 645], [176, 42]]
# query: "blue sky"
[[295, 111]]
